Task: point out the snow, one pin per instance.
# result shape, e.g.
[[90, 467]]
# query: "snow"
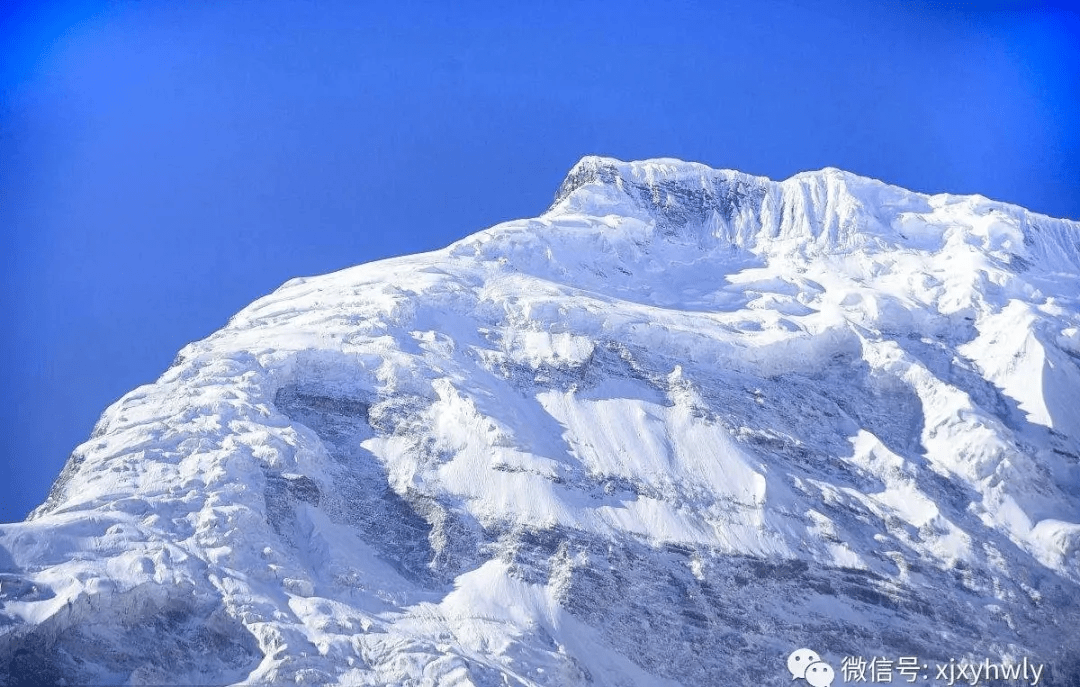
[[679, 425]]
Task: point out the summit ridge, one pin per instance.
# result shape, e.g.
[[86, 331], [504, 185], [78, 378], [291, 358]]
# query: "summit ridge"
[[828, 206]]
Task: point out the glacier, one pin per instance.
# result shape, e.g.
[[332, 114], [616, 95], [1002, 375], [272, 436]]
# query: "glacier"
[[681, 424]]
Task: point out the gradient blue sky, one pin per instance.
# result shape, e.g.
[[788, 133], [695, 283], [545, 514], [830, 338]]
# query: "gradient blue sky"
[[164, 164]]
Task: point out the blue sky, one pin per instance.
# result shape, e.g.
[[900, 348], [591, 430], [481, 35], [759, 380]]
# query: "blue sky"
[[164, 164]]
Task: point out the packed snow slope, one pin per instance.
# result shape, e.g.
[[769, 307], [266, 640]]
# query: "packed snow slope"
[[678, 426]]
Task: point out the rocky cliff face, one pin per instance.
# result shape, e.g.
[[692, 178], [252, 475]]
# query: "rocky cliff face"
[[680, 425]]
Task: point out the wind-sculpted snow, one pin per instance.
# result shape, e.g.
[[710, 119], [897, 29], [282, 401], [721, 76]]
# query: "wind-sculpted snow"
[[680, 425]]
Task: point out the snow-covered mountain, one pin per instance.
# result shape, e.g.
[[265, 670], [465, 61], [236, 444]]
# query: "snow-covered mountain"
[[678, 426]]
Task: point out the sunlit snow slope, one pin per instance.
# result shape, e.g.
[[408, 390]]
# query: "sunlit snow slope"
[[681, 424]]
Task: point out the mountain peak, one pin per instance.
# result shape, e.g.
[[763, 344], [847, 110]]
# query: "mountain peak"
[[684, 410], [598, 170]]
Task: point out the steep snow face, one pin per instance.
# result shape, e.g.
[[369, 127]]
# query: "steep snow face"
[[678, 426]]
